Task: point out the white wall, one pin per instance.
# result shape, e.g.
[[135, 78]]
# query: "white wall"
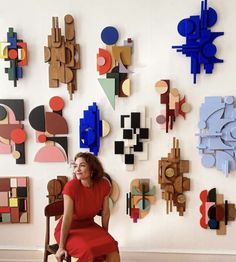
[[152, 26]]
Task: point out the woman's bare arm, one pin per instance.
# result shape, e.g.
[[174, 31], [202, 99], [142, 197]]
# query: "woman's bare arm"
[[66, 223], [105, 213]]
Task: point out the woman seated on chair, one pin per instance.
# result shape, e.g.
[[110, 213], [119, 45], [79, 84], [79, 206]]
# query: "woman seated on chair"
[[84, 197]]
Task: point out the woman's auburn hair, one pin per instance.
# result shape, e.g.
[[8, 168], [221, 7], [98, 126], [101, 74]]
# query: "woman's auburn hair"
[[93, 162]]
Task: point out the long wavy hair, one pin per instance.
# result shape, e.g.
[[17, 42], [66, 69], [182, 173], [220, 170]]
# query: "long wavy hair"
[[93, 162]]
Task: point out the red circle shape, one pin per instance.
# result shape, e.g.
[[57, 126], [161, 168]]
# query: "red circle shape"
[[12, 54], [42, 138], [56, 103], [18, 136]]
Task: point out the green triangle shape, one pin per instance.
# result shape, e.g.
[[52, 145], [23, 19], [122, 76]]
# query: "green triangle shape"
[[108, 86]]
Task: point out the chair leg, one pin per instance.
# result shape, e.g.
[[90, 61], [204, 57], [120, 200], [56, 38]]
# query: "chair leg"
[[45, 256]]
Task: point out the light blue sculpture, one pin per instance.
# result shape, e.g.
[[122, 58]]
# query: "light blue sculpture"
[[217, 137]]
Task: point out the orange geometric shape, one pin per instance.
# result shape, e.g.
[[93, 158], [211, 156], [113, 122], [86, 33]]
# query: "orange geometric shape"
[[56, 103], [103, 69], [18, 136]]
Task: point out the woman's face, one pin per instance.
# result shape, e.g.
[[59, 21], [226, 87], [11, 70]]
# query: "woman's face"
[[81, 169]]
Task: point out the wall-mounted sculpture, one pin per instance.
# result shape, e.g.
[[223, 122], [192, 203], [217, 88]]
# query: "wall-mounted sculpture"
[[135, 134], [174, 105], [12, 131], [217, 135], [48, 126], [113, 61], [14, 200], [63, 55], [15, 52], [216, 212], [139, 199], [92, 128], [199, 40], [172, 181], [55, 187]]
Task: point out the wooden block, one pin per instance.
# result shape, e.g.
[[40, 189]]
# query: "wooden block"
[[69, 27]]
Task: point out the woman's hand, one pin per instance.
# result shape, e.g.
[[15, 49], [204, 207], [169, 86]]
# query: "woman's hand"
[[60, 253]]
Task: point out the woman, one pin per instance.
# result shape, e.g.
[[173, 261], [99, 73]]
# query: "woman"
[[84, 197]]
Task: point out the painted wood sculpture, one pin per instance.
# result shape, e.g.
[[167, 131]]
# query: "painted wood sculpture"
[[48, 126], [174, 105], [63, 55], [216, 212], [172, 181], [217, 134], [139, 199], [14, 200], [15, 53], [12, 133], [91, 128], [113, 62], [55, 187], [199, 40], [135, 134]]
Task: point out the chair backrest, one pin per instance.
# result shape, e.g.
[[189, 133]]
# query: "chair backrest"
[[54, 209]]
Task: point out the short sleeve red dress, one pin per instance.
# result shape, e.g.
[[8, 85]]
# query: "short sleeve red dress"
[[87, 240]]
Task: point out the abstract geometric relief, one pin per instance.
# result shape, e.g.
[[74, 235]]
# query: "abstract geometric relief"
[[63, 55], [14, 51], [172, 181], [92, 128], [135, 128], [114, 61], [47, 126], [139, 199], [215, 211], [11, 129], [174, 105], [14, 200], [217, 137], [199, 40]]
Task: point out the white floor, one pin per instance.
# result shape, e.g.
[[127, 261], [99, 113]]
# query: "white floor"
[[36, 256]]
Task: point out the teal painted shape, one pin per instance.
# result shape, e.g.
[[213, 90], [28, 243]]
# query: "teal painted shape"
[[108, 85], [6, 218]]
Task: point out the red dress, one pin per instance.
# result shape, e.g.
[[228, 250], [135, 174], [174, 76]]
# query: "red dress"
[[86, 239]]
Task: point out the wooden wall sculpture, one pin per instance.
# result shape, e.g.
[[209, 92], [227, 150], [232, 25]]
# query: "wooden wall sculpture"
[[15, 52], [48, 126], [139, 199], [174, 105], [199, 40], [113, 62], [216, 212], [12, 133], [135, 134], [55, 187], [14, 200], [217, 135], [63, 55], [91, 128], [172, 181]]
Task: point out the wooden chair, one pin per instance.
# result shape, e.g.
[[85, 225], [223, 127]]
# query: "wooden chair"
[[52, 210]]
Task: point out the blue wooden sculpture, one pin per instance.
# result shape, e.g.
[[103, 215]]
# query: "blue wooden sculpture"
[[217, 137], [92, 128], [199, 40]]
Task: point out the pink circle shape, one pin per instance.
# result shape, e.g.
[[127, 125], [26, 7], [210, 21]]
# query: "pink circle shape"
[[161, 119], [101, 61]]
